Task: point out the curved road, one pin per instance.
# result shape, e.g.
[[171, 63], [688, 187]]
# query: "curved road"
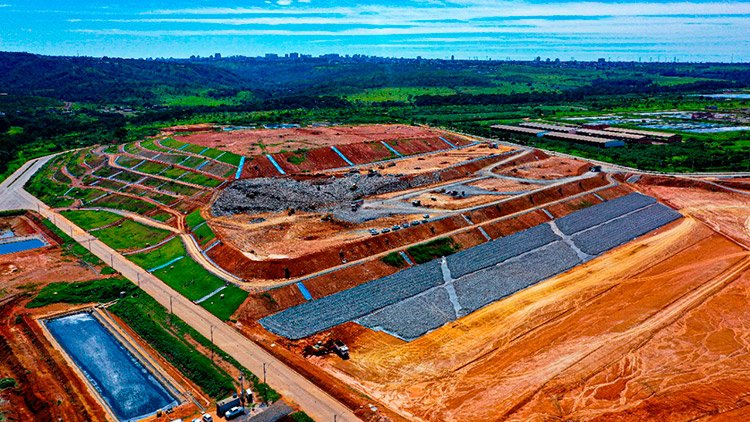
[[296, 388]]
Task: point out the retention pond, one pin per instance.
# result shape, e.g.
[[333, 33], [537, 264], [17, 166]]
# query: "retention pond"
[[127, 387], [13, 246]]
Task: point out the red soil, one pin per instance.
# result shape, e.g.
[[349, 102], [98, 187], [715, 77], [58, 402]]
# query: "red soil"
[[237, 263], [314, 160], [365, 153], [246, 142], [537, 198], [259, 166], [549, 168], [418, 146], [515, 224], [724, 211]]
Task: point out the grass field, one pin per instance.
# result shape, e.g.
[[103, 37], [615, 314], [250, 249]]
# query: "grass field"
[[224, 306], [85, 292], [45, 187], [194, 218], [73, 248], [130, 235], [203, 234], [125, 203], [160, 256], [189, 278], [88, 220]]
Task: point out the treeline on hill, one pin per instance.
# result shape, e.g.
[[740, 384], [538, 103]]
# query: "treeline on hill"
[[134, 81], [35, 119]]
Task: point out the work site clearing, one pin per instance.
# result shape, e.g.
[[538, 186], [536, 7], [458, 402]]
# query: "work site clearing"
[[471, 280]]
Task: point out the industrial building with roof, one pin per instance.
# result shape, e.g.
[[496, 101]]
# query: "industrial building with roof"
[[653, 135], [603, 136], [563, 136]]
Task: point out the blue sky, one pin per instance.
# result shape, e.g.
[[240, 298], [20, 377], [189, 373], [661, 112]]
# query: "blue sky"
[[625, 30]]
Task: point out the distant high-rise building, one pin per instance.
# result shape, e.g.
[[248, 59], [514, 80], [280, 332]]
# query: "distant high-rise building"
[[272, 56], [217, 55], [294, 55]]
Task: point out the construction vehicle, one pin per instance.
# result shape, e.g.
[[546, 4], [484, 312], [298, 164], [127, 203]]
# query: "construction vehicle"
[[341, 349]]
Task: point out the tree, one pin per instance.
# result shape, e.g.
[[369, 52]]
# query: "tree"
[[4, 124]]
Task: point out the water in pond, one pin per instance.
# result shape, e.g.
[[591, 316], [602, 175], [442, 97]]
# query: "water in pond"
[[734, 96], [129, 389], [21, 245]]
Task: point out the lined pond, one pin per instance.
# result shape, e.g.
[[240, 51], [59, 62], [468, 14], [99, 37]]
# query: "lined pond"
[[20, 245], [127, 387]]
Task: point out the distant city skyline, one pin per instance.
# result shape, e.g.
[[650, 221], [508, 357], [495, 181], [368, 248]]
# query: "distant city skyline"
[[467, 29]]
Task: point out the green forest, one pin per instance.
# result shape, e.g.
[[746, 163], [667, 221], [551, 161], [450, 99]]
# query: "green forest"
[[49, 104]]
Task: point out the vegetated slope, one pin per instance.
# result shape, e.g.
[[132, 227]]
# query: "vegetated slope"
[[94, 79]]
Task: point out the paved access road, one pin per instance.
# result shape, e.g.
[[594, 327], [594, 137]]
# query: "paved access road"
[[293, 386]]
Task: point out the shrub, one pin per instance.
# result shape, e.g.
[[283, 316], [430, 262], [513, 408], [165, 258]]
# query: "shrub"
[[84, 292], [394, 259], [426, 252]]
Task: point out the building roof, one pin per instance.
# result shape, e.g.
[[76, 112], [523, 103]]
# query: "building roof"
[[583, 131], [641, 132], [561, 135], [518, 129]]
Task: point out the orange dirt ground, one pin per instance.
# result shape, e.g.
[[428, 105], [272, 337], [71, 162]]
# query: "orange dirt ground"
[[447, 202], [436, 161], [550, 168], [36, 268], [505, 185], [600, 341], [247, 142], [724, 211], [282, 236]]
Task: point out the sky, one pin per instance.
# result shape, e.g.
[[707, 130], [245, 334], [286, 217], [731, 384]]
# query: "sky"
[[688, 30]]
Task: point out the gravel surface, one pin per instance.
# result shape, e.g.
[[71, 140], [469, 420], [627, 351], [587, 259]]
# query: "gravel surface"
[[492, 252], [599, 213], [489, 285], [616, 232], [413, 317], [312, 317], [327, 195]]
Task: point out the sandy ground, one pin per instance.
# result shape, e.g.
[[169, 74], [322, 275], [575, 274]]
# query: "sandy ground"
[[283, 236], [436, 161], [505, 185], [550, 168], [725, 212], [248, 142], [448, 202], [598, 341]]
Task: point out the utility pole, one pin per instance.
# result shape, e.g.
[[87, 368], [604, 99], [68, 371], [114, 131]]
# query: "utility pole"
[[264, 372], [212, 344], [242, 387], [170, 306]]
